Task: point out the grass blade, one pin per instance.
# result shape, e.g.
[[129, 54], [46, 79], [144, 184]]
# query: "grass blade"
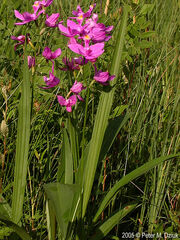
[[68, 159], [129, 177], [5, 217], [19, 230], [112, 130], [22, 145], [51, 221], [73, 136], [108, 225], [102, 116], [5, 209]]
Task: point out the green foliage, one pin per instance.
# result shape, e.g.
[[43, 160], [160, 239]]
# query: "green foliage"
[[22, 146], [107, 226], [129, 177], [61, 198], [4, 232], [10, 226], [51, 221], [68, 159]]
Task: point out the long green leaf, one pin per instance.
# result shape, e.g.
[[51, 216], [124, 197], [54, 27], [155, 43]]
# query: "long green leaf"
[[51, 221], [22, 145], [129, 177], [108, 225], [102, 116], [19, 230], [5, 209], [68, 159], [73, 140], [112, 130], [5, 217], [61, 197]]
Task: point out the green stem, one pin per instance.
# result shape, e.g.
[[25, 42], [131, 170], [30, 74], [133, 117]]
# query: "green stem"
[[84, 124]]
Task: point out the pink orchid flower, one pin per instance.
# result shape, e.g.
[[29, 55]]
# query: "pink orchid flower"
[[26, 17], [80, 15], [89, 52], [49, 55], [20, 39], [52, 81], [98, 35], [39, 4], [77, 88], [71, 30], [91, 22], [71, 101], [70, 65], [73, 64], [51, 20], [98, 32], [31, 62], [103, 77], [80, 61]]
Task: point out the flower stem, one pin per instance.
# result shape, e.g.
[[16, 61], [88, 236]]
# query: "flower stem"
[[84, 124]]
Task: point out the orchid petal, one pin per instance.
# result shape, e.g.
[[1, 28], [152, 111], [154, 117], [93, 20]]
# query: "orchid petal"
[[97, 47], [18, 15], [61, 100], [72, 40], [28, 16], [72, 24], [69, 109], [80, 98], [64, 29], [51, 20], [111, 78], [52, 81], [72, 100], [77, 48], [109, 28], [47, 53], [56, 53], [49, 2], [40, 12]]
